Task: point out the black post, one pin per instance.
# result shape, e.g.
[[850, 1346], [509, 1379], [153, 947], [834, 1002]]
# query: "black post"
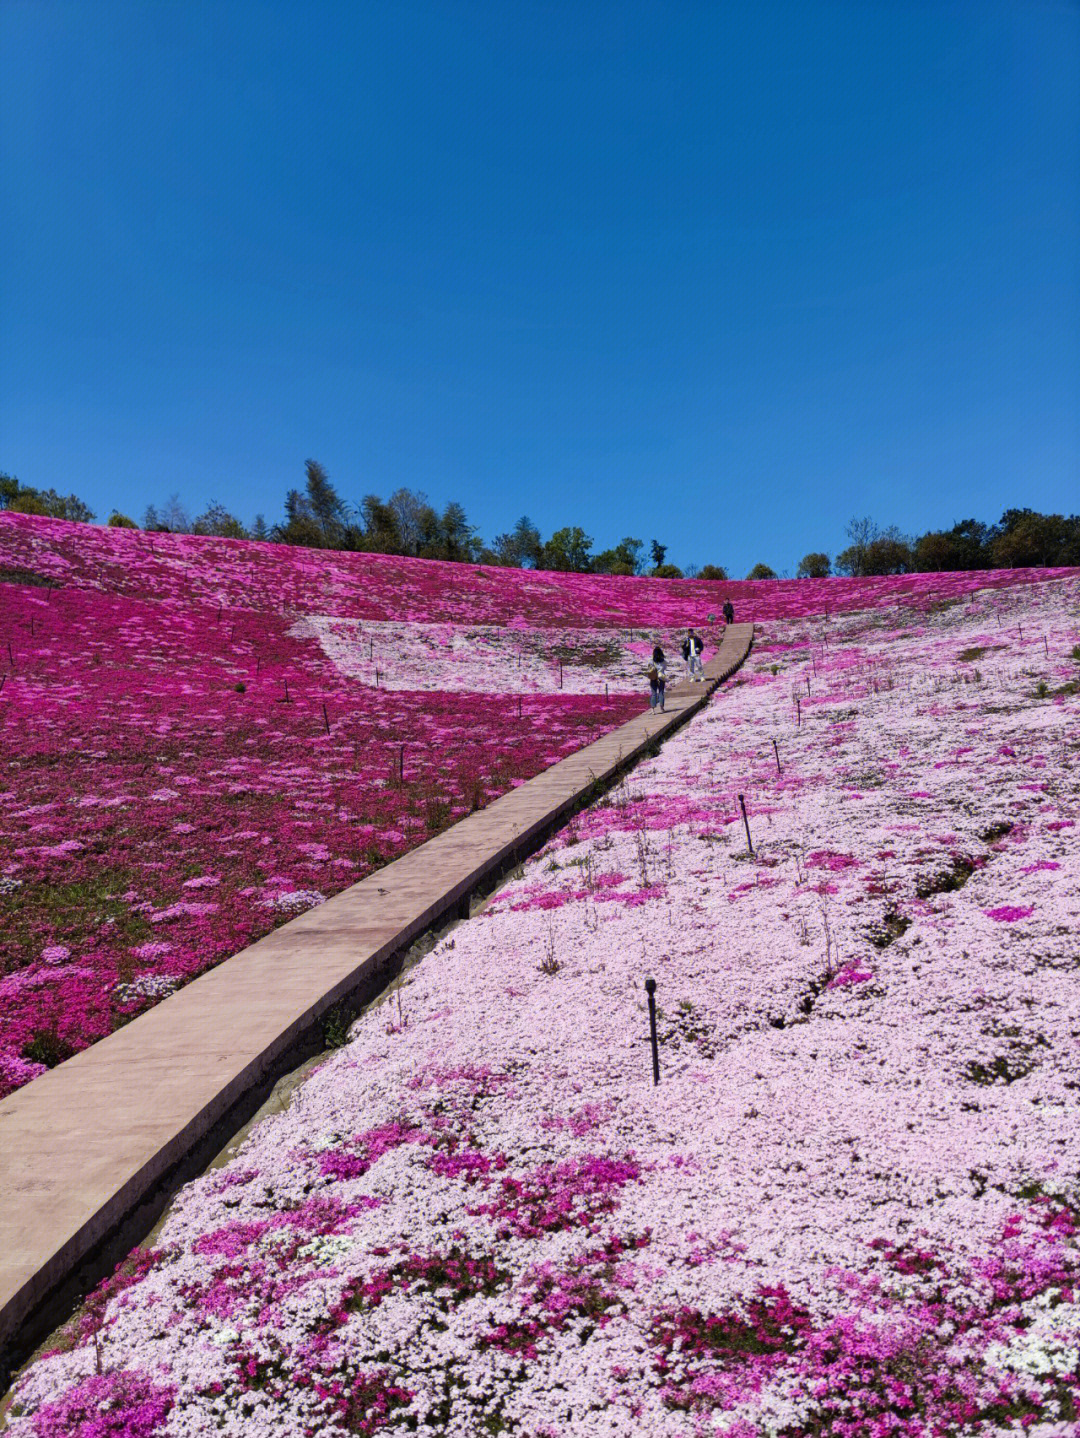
[[401, 765], [1020, 629], [519, 706], [326, 720], [798, 712], [776, 751], [560, 673], [376, 678], [650, 989], [808, 686], [746, 821], [287, 699], [11, 657]]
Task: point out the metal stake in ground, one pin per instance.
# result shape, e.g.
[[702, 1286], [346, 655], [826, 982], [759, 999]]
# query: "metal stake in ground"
[[746, 822], [650, 989], [776, 751], [287, 699], [798, 713], [401, 765], [326, 720]]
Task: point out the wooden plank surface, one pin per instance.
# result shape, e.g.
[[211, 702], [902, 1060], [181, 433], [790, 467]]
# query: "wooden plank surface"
[[83, 1145]]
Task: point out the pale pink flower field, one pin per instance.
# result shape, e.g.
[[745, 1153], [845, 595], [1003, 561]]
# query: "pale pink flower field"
[[851, 1206]]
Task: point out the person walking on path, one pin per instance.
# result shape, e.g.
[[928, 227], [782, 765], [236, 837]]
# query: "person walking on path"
[[691, 653], [729, 612], [657, 672]]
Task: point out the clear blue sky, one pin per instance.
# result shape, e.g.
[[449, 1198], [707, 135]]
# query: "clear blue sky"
[[723, 274]]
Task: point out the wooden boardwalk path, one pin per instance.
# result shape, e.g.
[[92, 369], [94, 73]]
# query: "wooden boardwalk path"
[[87, 1144]]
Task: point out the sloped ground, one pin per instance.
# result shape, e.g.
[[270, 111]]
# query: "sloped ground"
[[176, 779], [849, 1208]]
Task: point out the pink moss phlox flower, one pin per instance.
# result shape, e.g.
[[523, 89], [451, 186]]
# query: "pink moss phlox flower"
[[117, 1404]]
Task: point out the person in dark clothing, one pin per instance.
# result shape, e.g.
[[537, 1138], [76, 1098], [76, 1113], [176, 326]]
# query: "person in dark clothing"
[[729, 612], [657, 672], [691, 653]]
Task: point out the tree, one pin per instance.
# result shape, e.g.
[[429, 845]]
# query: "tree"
[[172, 518], [1025, 539], [300, 526], [889, 553], [814, 566], [568, 551], [862, 533], [459, 538], [522, 548], [259, 528], [712, 571], [24, 499], [28, 501], [116, 520], [216, 520], [380, 530], [761, 571], [414, 517], [666, 571], [625, 558], [324, 503], [658, 552]]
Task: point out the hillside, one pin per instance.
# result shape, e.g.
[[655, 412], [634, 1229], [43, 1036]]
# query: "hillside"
[[851, 1206]]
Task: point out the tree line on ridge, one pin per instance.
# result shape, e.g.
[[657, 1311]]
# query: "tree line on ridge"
[[408, 524]]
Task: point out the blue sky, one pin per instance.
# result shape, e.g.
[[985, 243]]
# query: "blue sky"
[[719, 274]]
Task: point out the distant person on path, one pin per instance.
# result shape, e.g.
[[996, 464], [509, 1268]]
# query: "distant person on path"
[[691, 653], [657, 672], [729, 612]]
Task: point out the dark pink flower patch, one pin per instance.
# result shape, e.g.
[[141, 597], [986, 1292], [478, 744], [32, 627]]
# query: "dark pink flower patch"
[[1009, 913], [827, 859], [107, 1405]]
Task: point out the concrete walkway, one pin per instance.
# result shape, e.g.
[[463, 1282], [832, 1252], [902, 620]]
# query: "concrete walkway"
[[84, 1145]]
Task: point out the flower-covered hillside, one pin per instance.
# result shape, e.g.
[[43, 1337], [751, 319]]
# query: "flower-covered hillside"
[[241, 574], [177, 779], [850, 1208]]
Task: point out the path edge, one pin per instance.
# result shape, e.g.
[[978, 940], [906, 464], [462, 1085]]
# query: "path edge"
[[78, 1260]]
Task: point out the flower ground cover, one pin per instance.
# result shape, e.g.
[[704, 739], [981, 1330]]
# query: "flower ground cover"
[[176, 780], [849, 1208]]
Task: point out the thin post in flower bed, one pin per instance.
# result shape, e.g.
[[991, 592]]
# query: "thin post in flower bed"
[[746, 824], [560, 673], [1046, 647], [776, 751], [11, 657], [401, 765], [376, 678], [326, 720], [650, 989], [287, 699], [808, 686], [798, 713]]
